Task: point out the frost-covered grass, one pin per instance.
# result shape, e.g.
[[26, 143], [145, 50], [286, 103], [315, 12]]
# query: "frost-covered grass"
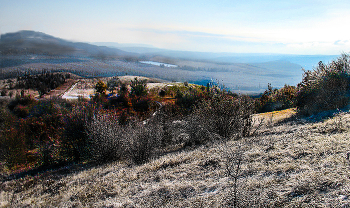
[[285, 164]]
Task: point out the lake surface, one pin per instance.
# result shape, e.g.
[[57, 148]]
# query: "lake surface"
[[158, 63]]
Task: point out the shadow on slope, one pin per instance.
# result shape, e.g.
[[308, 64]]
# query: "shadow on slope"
[[21, 61]]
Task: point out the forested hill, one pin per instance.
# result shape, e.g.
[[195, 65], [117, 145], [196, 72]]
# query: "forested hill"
[[31, 42]]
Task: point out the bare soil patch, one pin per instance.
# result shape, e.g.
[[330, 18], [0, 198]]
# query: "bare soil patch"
[[85, 87]]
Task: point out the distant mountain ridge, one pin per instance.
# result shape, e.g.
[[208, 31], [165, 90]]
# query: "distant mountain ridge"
[[31, 42], [305, 61], [122, 45], [29, 35]]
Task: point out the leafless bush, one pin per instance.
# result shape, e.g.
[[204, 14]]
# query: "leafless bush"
[[105, 138], [339, 122], [220, 117], [233, 161], [76, 133], [240, 192], [197, 132], [111, 141], [142, 141], [226, 116]]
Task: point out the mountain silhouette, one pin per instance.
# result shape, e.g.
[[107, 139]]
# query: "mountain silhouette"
[[31, 42]]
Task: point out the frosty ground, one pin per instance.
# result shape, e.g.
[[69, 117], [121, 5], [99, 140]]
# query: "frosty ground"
[[288, 162]]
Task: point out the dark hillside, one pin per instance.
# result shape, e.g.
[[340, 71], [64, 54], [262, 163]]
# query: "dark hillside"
[[31, 42]]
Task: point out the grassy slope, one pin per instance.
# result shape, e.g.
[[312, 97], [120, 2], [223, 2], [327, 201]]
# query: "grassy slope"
[[286, 164]]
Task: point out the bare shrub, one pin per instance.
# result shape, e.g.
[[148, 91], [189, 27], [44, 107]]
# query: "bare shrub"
[[142, 141], [219, 117], [234, 158], [105, 138], [195, 133], [225, 115], [112, 141], [241, 192], [76, 133]]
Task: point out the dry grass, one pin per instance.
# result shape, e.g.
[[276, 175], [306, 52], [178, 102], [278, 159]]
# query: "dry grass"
[[276, 116], [290, 164]]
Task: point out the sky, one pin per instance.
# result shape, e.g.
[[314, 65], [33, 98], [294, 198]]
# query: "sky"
[[249, 26]]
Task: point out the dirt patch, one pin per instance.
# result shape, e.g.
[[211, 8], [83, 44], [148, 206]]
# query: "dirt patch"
[[59, 91], [85, 87]]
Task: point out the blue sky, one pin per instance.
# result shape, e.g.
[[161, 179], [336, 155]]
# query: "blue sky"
[[250, 26]]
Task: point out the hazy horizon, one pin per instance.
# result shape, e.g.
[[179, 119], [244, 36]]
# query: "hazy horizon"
[[284, 27]]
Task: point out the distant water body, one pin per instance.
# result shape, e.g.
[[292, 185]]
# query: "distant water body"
[[158, 63]]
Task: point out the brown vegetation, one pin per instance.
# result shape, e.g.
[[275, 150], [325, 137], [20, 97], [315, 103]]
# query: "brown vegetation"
[[180, 146]]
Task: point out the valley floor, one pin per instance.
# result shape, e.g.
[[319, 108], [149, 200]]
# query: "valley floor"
[[293, 163]]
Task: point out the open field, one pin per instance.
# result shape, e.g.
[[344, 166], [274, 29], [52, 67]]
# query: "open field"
[[85, 87], [78, 87], [294, 163]]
